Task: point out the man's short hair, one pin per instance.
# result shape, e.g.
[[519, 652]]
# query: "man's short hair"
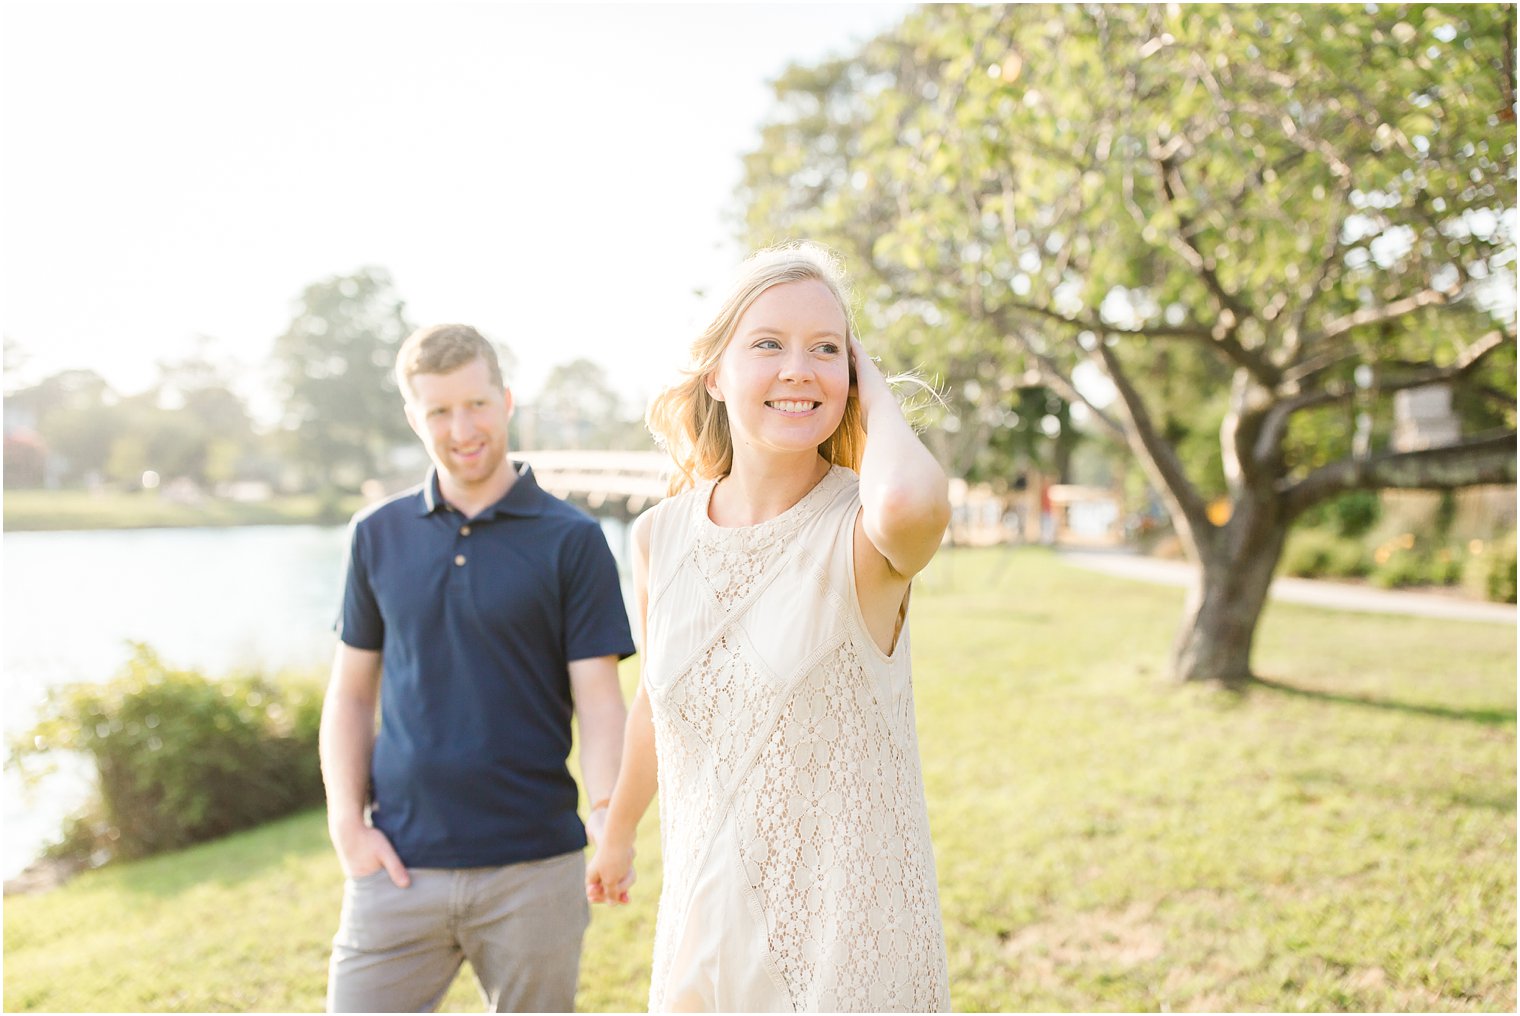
[[441, 349]]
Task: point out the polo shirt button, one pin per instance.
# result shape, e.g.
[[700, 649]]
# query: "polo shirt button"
[[459, 559], [464, 530]]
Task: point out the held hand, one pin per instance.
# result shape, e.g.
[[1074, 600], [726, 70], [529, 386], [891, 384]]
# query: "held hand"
[[365, 850], [610, 874]]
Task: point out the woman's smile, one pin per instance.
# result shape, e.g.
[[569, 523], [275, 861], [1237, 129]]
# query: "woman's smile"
[[794, 407]]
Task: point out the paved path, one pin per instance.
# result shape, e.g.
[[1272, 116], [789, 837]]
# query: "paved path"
[[1335, 595]]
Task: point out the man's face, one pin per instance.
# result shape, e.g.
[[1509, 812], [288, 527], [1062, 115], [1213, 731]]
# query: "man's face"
[[461, 418]]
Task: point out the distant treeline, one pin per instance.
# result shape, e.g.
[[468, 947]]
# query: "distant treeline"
[[340, 421]]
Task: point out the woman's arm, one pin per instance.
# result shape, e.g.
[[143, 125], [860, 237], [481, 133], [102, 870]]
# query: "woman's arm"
[[610, 873], [905, 497]]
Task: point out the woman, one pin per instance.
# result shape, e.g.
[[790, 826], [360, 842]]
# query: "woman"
[[775, 705]]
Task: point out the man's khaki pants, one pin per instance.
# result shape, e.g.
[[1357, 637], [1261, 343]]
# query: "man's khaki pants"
[[520, 926]]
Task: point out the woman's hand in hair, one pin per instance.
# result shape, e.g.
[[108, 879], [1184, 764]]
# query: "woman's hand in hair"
[[871, 386]]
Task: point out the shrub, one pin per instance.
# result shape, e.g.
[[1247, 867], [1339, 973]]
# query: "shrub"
[[1416, 567], [1496, 570], [1351, 514], [1445, 567], [180, 758], [1356, 513], [1399, 570], [1317, 553]]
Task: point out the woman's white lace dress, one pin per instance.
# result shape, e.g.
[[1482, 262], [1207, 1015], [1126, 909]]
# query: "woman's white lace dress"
[[798, 869]]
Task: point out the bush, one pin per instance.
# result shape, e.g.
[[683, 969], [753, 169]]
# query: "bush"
[[1356, 513], [1401, 567], [1495, 570], [1445, 567], [180, 758], [1352, 514], [1319, 553]]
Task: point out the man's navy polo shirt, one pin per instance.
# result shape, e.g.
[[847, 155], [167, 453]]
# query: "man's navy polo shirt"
[[477, 620]]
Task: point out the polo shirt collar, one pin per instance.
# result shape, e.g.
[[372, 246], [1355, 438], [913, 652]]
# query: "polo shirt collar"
[[525, 497]]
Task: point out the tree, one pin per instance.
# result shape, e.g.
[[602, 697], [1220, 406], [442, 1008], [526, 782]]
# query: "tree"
[[198, 391], [1283, 214], [335, 360], [189, 424], [147, 436], [75, 413], [578, 408]]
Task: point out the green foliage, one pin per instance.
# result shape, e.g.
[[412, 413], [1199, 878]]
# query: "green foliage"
[[1258, 223], [1319, 553], [181, 758], [1266, 170], [189, 424], [1493, 570], [336, 361], [1355, 513], [578, 408], [1405, 568], [1352, 514], [1410, 560], [71, 411]]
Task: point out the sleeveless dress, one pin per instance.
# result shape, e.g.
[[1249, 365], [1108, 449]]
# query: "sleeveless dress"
[[798, 870]]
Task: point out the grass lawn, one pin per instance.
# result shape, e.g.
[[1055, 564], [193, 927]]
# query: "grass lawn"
[[32, 510], [1341, 838]]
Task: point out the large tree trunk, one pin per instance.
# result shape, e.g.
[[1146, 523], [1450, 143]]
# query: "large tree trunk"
[[1225, 603]]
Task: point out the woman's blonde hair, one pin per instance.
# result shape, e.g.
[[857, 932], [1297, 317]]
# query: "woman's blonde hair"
[[692, 425]]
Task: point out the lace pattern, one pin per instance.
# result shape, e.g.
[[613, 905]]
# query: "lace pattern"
[[733, 561], [828, 840], [784, 723]]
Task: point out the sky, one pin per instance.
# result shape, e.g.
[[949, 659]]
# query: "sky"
[[562, 176]]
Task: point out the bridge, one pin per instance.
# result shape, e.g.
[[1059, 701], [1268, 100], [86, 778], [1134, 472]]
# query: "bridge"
[[615, 483]]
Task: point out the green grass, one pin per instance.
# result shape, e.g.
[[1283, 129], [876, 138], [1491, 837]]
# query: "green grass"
[[33, 510], [1341, 838]]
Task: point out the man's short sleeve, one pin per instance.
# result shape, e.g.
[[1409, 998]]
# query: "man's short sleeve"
[[596, 621], [359, 623]]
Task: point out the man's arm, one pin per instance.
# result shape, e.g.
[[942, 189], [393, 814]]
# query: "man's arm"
[[601, 716], [346, 739]]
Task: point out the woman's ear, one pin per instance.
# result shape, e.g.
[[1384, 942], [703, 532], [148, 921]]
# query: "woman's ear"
[[712, 388]]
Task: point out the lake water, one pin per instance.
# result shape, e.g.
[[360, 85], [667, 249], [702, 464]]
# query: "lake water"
[[212, 599]]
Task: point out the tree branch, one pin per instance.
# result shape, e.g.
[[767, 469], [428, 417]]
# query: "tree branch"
[[1159, 457], [1489, 459], [1172, 187], [1388, 312], [1329, 247], [1469, 359], [1098, 326], [1275, 426], [1233, 310], [1067, 389], [1054, 376]]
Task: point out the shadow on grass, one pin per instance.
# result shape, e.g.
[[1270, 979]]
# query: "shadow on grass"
[[1486, 717]]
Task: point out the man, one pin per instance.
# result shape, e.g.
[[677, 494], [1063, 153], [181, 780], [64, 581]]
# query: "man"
[[479, 613]]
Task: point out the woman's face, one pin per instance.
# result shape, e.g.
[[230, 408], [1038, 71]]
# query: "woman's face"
[[785, 375]]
